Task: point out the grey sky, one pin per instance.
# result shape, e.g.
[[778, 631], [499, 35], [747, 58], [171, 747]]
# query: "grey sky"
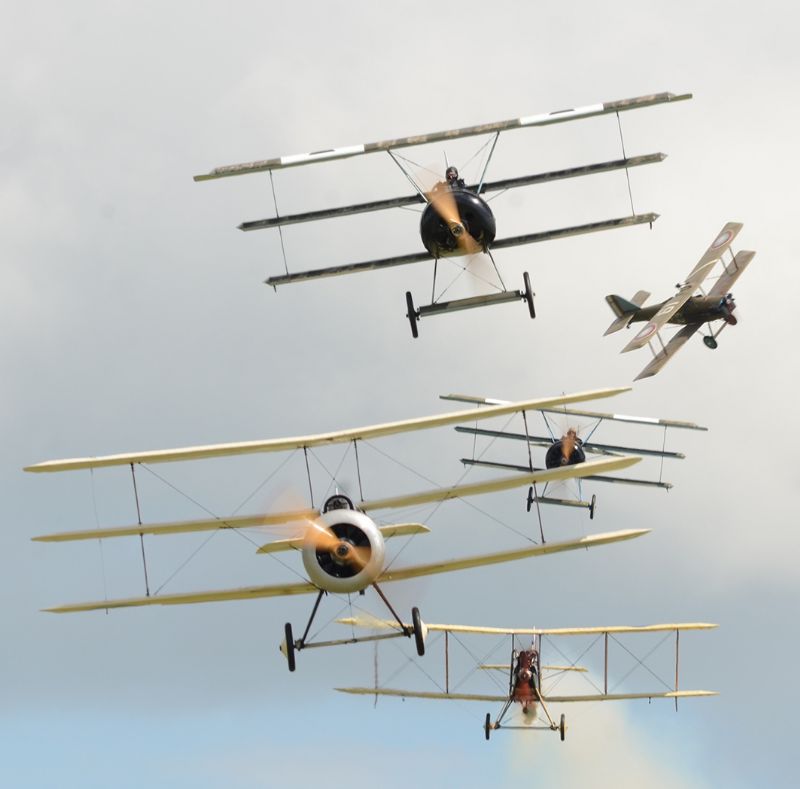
[[133, 316]]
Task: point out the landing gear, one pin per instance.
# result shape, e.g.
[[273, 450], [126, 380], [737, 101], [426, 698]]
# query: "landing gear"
[[710, 342], [487, 727], [412, 315], [591, 507], [419, 633], [288, 646], [528, 293], [562, 727]]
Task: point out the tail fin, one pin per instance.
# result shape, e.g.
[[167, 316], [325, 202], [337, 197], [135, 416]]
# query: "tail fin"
[[624, 309]]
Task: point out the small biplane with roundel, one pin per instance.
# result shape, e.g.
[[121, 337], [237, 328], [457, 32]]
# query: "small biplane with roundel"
[[456, 221], [685, 309], [525, 687], [342, 545], [568, 440]]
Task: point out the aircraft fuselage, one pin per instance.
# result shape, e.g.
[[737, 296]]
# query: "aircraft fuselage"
[[699, 309]]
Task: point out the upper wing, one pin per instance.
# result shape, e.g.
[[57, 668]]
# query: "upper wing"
[[560, 116], [421, 694], [732, 273], [321, 439], [418, 257], [643, 420], [536, 631], [707, 262]]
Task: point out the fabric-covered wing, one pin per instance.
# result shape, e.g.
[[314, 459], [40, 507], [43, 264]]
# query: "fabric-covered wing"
[[186, 598], [670, 694], [329, 154], [467, 563], [419, 257], [535, 631], [588, 468], [182, 527], [732, 272], [421, 694], [321, 439], [676, 342]]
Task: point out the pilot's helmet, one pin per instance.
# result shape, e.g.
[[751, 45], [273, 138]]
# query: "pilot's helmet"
[[451, 173]]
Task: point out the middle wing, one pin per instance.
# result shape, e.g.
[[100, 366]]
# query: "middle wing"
[[282, 590]]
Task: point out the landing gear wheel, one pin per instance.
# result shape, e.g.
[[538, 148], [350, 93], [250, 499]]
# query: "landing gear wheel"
[[530, 498], [591, 507], [710, 342], [289, 646], [412, 314], [487, 727], [529, 294], [562, 727], [419, 636]]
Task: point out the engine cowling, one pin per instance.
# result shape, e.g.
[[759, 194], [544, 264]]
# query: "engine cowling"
[[475, 217], [352, 560], [564, 452]]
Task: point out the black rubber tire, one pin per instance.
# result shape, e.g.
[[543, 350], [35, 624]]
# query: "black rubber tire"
[[289, 646], [419, 638], [562, 728], [529, 293], [592, 506], [530, 498], [710, 342], [412, 314], [487, 727]]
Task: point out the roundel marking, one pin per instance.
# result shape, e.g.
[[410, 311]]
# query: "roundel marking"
[[723, 238], [649, 329]]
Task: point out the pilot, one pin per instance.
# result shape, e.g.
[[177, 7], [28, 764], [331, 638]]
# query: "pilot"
[[453, 181]]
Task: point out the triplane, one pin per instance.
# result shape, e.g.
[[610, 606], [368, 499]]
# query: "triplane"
[[685, 309], [343, 547], [456, 220], [570, 445], [527, 675]]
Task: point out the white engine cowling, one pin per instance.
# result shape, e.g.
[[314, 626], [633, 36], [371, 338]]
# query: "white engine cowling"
[[354, 562]]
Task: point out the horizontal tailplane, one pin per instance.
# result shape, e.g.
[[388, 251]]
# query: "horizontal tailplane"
[[624, 309]]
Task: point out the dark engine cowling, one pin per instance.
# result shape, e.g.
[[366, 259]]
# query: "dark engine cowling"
[[475, 216], [565, 452]]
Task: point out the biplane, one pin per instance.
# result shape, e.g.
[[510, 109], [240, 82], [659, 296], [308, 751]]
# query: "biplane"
[[570, 445], [343, 547], [684, 308], [456, 219], [528, 676]]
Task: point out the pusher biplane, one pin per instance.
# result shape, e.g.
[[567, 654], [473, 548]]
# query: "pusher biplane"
[[456, 220], [683, 308], [343, 548], [569, 445], [528, 676]]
